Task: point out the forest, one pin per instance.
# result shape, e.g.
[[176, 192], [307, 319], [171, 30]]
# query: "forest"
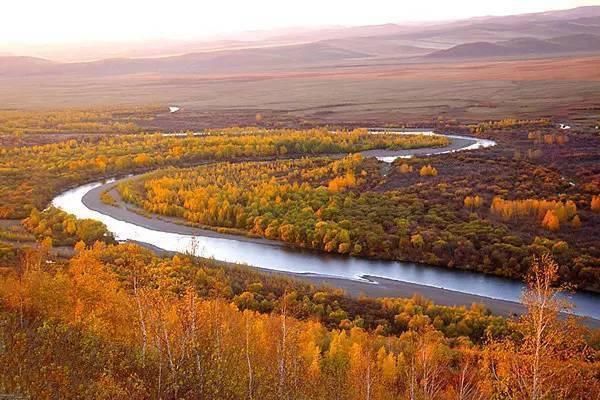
[[116, 321], [33, 175], [110, 121], [349, 206]]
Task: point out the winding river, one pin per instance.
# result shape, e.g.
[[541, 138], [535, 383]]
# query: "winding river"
[[234, 249]]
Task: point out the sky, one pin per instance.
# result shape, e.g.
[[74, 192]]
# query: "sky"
[[27, 22]]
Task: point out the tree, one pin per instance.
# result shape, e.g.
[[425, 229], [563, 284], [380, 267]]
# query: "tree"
[[551, 221], [142, 159], [417, 240], [576, 222], [543, 306], [595, 204], [405, 168], [341, 183], [541, 361], [472, 202], [362, 374], [428, 170], [247, 328]]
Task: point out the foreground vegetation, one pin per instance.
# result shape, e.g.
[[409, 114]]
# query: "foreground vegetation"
[[118, 322]]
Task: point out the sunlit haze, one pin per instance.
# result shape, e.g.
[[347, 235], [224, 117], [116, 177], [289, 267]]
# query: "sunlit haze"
[[27, 22]]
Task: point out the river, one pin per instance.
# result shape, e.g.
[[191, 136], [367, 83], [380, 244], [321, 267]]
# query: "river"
[[266, 255]]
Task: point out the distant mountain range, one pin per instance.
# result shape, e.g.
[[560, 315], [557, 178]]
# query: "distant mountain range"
[[524, 46], [546, 34]]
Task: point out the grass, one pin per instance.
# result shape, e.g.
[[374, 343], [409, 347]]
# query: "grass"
[[364, 95]]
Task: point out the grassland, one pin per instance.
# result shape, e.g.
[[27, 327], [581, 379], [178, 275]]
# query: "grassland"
[[366, 94]]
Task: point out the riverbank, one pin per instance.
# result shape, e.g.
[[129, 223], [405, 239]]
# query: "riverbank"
[[374, 286], [456, 143], [382, 287]]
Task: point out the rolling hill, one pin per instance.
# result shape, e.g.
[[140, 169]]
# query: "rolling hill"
[[224, 61], [18, 65], [549, 34], [526, 46]]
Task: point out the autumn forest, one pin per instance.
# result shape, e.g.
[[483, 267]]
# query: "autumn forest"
[[300, 200], [84, 315]]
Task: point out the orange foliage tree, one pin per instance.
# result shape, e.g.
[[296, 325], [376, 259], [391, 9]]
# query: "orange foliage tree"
[[428, 170], [544, 360], [472, 202], [550, 213], [595, 204]]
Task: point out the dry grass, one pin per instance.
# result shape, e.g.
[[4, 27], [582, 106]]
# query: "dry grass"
[[365, 94]]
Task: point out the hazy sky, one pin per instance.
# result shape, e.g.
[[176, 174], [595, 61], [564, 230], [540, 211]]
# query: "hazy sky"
[[69, 21]]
